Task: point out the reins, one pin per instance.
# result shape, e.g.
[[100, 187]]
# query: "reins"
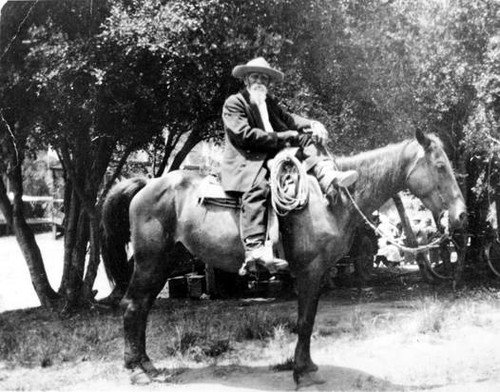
[[392, 240]]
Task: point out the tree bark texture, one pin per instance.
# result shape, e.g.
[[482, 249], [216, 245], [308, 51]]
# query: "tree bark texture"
[[14, 214]]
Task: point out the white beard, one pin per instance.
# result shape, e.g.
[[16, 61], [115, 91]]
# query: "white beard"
[[258, 93]]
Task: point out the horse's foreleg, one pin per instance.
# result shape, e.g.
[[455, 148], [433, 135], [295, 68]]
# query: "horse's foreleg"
[[308, 284]]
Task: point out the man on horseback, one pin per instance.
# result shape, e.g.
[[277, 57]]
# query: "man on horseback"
[[256, 128]]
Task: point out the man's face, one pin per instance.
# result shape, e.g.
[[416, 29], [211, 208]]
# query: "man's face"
[[257, 82]]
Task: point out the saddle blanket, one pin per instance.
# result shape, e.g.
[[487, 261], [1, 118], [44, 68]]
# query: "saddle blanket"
[[210, 192]]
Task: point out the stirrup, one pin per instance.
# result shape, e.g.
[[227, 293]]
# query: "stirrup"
[[272, 266], [262, 255]]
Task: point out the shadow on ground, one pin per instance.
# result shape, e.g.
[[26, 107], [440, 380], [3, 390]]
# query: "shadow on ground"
[[263, 379]]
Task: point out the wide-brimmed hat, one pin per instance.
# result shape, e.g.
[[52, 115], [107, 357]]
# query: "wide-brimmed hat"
[[258, 65]]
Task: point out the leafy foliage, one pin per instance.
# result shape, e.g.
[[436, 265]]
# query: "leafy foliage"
[[98, 83]]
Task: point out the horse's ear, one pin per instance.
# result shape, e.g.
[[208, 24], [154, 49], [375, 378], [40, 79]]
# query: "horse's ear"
[[422, 138]]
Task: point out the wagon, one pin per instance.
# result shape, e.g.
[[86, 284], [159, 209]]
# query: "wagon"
[[464, 251]]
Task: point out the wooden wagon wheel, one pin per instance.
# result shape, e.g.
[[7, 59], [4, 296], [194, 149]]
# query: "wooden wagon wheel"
[[445, 261], [492, 255]]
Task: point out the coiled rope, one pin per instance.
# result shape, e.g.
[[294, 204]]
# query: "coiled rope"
[[290, 191], [289, 185]]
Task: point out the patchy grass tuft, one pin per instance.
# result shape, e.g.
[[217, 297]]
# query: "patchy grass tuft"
[[283, 366], [9, 342], [202, 332], [260, 325], [358, 323], [433, 316]]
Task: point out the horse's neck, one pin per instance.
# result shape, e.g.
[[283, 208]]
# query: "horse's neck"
[[382, 173]]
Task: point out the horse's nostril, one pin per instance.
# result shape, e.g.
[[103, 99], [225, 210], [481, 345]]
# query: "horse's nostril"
[[463, 218]]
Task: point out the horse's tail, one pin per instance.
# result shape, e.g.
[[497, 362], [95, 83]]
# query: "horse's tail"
[[116, 233]]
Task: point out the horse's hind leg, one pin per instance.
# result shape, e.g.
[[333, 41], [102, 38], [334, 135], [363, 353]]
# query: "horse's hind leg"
[[149, 277]]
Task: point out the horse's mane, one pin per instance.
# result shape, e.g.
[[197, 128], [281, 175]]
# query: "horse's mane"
[[382, 167], [381, 154], [379, 169], [372, 157]]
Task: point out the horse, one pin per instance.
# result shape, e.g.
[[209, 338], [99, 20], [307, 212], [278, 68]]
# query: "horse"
[[165, 213]]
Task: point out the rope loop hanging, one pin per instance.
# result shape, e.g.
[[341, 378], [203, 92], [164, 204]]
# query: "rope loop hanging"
[[289, 184]]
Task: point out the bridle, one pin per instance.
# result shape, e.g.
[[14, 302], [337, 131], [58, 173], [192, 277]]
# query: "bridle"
[[439, 193], [414, 250]]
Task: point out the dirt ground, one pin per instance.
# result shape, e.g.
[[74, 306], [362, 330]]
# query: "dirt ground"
[[398, 347], [404, 336]]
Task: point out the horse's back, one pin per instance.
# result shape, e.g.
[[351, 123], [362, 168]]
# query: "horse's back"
[[159, 191], [170, 208]]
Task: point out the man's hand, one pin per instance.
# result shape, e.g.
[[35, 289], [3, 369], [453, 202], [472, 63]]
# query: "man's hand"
[[288, 135], [318, 131], [288, 138]]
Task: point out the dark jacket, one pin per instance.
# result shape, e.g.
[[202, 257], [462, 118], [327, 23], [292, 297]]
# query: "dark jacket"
[[247, 144]]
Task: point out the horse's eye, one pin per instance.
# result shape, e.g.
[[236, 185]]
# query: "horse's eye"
[[441, 168]]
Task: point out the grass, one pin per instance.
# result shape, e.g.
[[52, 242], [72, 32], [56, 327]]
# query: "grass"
[[435, 315], [287, 364], [194, 332], [56, 340], [351, 333], [207, 333]]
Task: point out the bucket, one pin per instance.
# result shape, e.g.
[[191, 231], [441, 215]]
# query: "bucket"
[[177, 287], [274, 288], [195, 285]]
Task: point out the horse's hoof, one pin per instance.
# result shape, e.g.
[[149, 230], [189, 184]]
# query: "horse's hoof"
[[308, 379], [149, 368], [163, 376], [140, 377]]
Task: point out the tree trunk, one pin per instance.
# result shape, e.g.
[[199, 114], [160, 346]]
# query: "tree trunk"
[[84, 220], [5, 206], [71, 213], [411, 238], [74, 285], [497, 209], [14, 214], [29, 247], [94, 259]]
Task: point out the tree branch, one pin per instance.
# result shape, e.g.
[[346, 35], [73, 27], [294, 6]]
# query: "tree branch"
[[193, 139], [12, 137], [172, 140], [103, 154], [493, 139], [116, 173], [90, 209], [5, 205]]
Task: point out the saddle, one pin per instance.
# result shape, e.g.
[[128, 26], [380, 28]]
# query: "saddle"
[[210, 192]]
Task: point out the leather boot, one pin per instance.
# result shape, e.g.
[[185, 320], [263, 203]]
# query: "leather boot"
[[327, 176], [262, 254]]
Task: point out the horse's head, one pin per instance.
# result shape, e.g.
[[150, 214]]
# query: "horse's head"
[[430, 177]]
